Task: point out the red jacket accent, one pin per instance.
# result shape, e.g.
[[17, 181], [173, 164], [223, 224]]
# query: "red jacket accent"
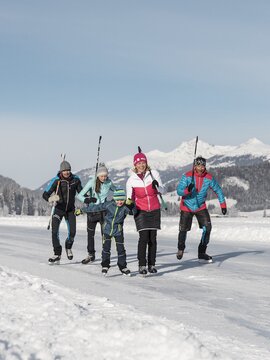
[[141, 191]]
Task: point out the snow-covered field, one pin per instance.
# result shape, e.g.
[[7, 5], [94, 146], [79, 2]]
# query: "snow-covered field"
[[188, 311]]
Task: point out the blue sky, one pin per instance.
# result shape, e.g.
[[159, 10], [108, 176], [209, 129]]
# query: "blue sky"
[[146, 72]]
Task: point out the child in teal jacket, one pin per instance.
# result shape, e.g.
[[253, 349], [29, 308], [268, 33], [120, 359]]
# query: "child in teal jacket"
[[115, 214]]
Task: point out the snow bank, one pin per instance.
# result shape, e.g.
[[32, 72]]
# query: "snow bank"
[[252, 226], [42, 320]]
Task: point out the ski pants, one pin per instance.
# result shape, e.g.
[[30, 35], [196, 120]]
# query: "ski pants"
[[71, 227], [92, 219], [147, 238], [120, 248], [204, 222]]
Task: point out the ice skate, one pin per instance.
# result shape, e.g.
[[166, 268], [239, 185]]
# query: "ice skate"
[[152, 269], [89, 259], [142, 270], [69, 254], [204, 258], [180, 254], [104, 271], [55, 259], [125, 271]]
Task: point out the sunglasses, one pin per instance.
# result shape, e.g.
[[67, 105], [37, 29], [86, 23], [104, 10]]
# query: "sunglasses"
[[200, 162]]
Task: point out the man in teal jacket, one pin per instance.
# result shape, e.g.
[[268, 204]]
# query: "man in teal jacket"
[[193, 188]]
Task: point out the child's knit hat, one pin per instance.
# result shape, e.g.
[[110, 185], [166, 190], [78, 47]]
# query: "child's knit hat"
[[119, 194]]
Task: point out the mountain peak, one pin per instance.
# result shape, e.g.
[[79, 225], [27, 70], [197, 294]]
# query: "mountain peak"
[[252, 142]]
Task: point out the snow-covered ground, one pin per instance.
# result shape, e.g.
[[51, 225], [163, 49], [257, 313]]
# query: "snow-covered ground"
[[188, 311]]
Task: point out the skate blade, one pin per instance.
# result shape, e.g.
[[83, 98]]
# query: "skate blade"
[[87, 262], [201, 261], [126, 274], [54, 263]]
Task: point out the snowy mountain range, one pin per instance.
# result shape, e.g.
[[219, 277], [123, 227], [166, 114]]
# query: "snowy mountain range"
[[237, 168], [233, 166], [183, 155], [252, 151]]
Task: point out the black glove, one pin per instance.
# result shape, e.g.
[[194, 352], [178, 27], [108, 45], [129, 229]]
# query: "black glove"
[[224, 211], [190, 187], [155, 184], [130, 205], [89, 200]]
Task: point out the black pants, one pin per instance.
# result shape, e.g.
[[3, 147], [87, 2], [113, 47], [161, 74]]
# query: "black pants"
[[204, 222], [147, 238], [71, 226], [120, 248], [92, 220]]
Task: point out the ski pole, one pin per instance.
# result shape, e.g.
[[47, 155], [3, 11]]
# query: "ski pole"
[[159, 194], [95, 178], [99, 141], [193, 169], [194, 159], [63, 157], [53, 207]]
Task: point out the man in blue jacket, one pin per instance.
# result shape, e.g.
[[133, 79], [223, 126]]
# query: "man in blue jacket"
[[193, 188]]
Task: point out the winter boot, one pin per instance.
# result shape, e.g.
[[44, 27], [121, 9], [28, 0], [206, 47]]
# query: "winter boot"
[[142, 270], [104, 270], [180, 254], [89, 259], [152, 269], [69, 254], [55, 259], [125, 271]]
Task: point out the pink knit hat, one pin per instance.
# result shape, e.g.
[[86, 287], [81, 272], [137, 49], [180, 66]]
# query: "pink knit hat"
[[139, 157]]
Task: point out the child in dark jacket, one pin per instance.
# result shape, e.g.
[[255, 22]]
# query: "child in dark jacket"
[[116, 211]]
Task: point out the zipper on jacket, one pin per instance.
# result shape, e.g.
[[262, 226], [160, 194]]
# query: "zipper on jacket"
[[148, 198], [113, 220], [67, 194]]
